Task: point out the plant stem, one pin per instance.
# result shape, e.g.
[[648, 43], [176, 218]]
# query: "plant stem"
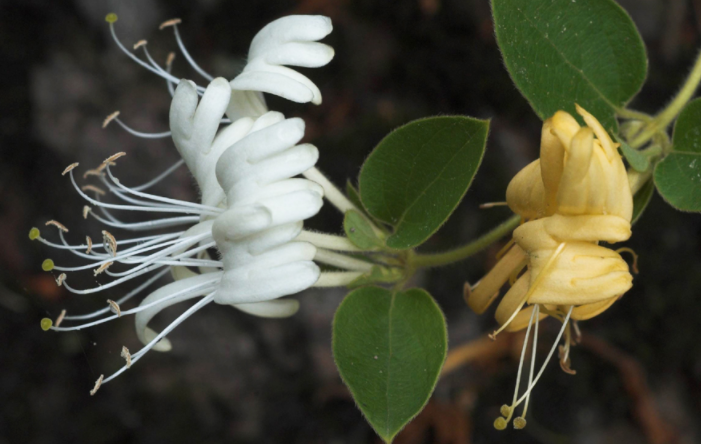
[[632, 114], [341, 261], [438, 259], [668, 114]]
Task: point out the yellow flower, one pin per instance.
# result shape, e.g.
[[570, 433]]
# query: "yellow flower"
[[575, 196]]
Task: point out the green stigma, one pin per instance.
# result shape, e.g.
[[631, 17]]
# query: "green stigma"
[[111, 17], [46, 324], [519, 423], [34, 233], [500, 423], [47, 265]]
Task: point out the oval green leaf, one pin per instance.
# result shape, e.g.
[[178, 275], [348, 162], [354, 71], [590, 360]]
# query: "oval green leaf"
[[562, 52], [678, 176], [360, 232], [417, 175], [389, 348]]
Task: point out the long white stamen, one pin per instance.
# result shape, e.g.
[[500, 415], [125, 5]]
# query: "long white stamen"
[[149, 224], [209, 285], [530, 373], [161, 176], [113, 283], [141, 134], [189, 59], [131, 55], [135, 357], [123, 299], [520, 367], [547, 359]]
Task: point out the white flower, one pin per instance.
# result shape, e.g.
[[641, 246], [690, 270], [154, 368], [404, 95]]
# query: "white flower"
[[252, 207]]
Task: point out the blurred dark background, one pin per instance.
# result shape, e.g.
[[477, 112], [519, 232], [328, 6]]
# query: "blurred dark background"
[[235, 378]]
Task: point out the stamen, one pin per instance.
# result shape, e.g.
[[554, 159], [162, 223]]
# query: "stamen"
[[98, 383], [109, 242], [113, 157], [58, 225], [109, 118], [86, 210], [69, 168], [114, 307], [93, 188], [167, 23], [185, 52], [60, 318], [126, 355], [139, 44], [102, 268], [492, 205], [134, 132], [61, 277], [520, 422], [89, 242], [93, 172], [635, 257]]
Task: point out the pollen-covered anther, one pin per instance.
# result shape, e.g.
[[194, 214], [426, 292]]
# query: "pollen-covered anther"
[[58, 225], [102, 268], [59, 280], [98, 383], [60, 317], [114, 307], [126, 355], [89, 242], [93, 188], [167, 23], [93, 172], [109, 242], [169, 60], [139, 44], [69, 168], [110, 118], [86, 210], [113, 157]]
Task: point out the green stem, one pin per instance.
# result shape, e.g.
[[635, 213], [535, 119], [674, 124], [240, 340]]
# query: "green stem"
[[438, 259], [668, 114], [632, 114]]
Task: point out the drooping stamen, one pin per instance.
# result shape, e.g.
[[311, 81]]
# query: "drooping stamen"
[[174, 24], [114, 307], [102, 267], [69, 168], [98, 383], [109, 242], [160, 177], [520, 422], [138, 355], [92, 188], [126, 355]]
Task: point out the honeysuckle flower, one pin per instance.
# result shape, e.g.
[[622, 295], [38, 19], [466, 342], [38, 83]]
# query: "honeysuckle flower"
[[252, 207], [575, 196]]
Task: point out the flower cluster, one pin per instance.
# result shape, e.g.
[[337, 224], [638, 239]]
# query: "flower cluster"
[[575, 196], [244, 159]]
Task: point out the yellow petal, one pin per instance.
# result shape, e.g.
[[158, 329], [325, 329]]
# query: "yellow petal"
[[488, 288], [513, 299], [525, 193], [588, 311]]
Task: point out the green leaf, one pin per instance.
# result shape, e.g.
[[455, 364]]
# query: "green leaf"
[[417, 175], [378, 274], [562, 52], [637, 160], [678, 176], [353, 195], [641, 199], [360, 232], [389, 348]]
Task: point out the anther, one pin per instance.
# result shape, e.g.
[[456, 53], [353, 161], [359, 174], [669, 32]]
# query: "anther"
[[60, 317], [47, 265], [93, 188], [69, 168], [46, 324], [492, 205], [102, 268], [519, 423], [98, 383], [93, 172], [114, 157], [89, 242], [109, 242], [111, 17], [169, 60], [58, 225], [171, 22], [86, 210], [114, 307], [34, 233], [126, 355], [59, 281], [110, 118], [139, 44]]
